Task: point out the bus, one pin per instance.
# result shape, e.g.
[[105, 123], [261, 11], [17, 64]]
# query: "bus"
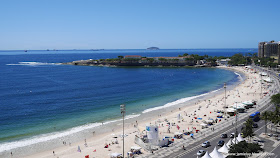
[[255, 116]]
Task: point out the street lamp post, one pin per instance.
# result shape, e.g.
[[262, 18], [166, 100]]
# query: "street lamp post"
[[235, 122], [225, 87], [122, 107], [261, 86]]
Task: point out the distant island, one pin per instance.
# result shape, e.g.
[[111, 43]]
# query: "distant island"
[[137, 60], [153, 48], [181, 60]]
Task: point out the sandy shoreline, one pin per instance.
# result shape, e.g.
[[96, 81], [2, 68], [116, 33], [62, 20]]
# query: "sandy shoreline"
[[96, 139]]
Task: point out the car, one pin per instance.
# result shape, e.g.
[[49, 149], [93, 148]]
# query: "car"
[[224, 135], [255, 125], [201, 153], [205, 144], [231, 135], [221, 143]]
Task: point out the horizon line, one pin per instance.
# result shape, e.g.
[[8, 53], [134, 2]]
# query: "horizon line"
[[91, 49]]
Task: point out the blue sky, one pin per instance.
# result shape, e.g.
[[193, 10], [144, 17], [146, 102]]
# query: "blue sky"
[[131, 24]]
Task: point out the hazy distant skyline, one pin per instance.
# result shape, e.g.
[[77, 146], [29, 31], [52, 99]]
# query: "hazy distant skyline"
[[126, 24]]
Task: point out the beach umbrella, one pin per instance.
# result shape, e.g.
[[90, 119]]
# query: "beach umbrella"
[[229, 143], [206, 155], [191, 135], [224, 149], [216, 154]]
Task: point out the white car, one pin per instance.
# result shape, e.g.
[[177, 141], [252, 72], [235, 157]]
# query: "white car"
[[205, 144], [201, 153]]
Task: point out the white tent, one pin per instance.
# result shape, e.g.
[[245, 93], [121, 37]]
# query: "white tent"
[[263, 73], [231, 110], [229, 143], [203, 125], [178, 133], [209, 121], [224, 149], [233, 140], [248, 102], [240, 138], [206, 155], [135, 148], [268, 79], [238, 106], [115, 155], [216, 154]]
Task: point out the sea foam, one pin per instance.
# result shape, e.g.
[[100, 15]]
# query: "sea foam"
[[55, 135], [238, 75], [31, 63], [179, 101]]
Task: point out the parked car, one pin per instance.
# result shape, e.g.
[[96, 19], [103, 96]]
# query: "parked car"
[[221, 143], [231, 135], [205, 144], [201, 153], [255, 125], [224, 135]]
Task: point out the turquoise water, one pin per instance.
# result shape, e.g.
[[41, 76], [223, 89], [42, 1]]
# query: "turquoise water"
[[39, 97]]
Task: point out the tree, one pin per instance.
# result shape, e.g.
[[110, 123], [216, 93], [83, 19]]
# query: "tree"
[[238, 59], [275, 118], [248, 130], [186, 54], [265, 117], [275, 99], [244, 147], [150, 60], [120, 57], [271, 117]]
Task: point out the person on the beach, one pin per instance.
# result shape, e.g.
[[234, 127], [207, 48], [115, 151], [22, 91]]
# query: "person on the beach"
[[53, 153]]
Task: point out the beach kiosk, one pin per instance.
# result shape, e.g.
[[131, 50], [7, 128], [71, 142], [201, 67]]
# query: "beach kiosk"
[[231, 111], [136, 150], [248, 104]]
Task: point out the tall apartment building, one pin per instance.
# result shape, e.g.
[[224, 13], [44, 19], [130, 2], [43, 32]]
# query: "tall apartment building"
[[269, 49]]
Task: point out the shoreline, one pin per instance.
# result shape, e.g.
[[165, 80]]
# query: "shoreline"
[[115, 125]]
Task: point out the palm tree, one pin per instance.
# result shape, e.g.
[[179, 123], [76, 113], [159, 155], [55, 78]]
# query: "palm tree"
[[271, 118], [265, 117], [248, 130], [276, 117], [275, 99]]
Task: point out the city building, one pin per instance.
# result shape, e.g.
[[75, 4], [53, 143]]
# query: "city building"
[[269, 50], [223, 61]]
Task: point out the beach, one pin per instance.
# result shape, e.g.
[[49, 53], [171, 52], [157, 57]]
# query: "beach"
[[93, 140]]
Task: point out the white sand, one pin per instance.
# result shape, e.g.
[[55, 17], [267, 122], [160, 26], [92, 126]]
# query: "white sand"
[[248, 90]]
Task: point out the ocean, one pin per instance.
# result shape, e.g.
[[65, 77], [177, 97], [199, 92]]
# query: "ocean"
[[39, 96]]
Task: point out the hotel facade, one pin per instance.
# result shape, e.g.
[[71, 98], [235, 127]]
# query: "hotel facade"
[[269, 49]]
